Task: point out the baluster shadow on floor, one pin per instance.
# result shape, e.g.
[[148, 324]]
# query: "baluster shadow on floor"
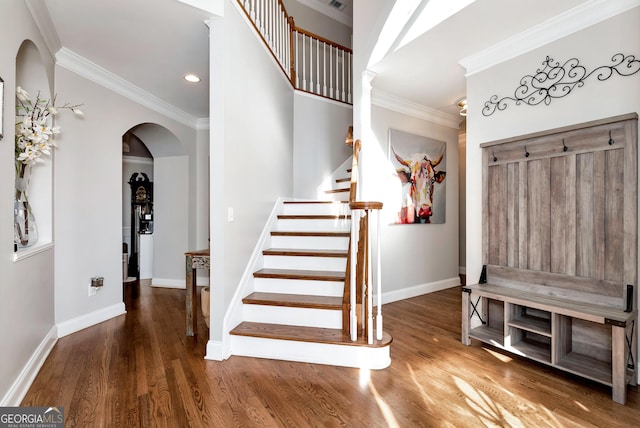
[[141, 370]]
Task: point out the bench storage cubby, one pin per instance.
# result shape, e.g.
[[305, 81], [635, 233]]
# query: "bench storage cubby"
[[560, 251]]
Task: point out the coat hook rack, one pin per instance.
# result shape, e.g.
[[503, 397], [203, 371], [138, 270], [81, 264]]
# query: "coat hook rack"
[[611, 139], [564, 146], [526, 152]]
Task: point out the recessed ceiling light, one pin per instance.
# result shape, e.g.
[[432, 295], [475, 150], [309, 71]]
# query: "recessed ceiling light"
[[191, 78]]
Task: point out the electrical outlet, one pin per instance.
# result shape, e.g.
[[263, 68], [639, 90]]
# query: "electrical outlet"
[[96, 283]]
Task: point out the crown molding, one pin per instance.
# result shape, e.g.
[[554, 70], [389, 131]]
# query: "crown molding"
[[329, 11], [77, 64], [562, 25], [42, 18], [404, 106]]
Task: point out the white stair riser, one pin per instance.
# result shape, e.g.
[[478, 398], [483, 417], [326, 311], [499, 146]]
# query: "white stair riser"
[[309, 352], [298, 286], [340, 196], [307, 242], [323, 318], [317, 209], [297, 225], [336, 264]]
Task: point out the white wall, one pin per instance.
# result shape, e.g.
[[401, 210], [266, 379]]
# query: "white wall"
[[415, 258], [170, 219], [319, 130], [88, 198], [251, 150], [26, 286], [369, 17], [618, 95]]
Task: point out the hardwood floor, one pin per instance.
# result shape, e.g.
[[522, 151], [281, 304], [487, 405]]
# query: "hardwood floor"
[[141, 370]]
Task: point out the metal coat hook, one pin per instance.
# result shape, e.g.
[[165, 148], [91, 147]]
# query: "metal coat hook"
[[495, 159], [564, 147], [611, 139], [526, 152]]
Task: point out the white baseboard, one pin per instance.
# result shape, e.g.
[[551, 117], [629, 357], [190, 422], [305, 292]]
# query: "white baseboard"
[[177, 283], [96, 317], [18, 390], [215, 351], [418, 290]]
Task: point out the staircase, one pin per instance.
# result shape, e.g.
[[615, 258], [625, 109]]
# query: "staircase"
[[293, 306]]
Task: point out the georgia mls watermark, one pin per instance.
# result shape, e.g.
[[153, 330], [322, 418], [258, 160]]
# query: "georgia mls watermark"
[[31, 417]]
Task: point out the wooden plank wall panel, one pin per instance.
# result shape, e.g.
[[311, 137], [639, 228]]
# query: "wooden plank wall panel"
[[497, 194], [630, 211], [513, 212], [563, 215], [584, 214], [614, 211], [564, 202], [539, 215], [523, 224], [599, 238]]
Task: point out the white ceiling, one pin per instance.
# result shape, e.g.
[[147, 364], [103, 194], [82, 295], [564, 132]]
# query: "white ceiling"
[[151, 44], [148, 43]]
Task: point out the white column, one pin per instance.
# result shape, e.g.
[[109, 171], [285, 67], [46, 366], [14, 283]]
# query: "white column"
[[366, 134]]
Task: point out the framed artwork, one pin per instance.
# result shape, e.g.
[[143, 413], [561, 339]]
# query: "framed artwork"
[[420, 167], [1, 108]]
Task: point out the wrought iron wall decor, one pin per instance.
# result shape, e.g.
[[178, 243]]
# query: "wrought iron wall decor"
[[557, 80]]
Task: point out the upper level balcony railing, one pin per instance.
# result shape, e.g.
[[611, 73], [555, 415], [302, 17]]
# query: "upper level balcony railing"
[[312, 63]]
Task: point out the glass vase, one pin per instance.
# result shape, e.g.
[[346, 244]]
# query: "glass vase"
[[25, 228]]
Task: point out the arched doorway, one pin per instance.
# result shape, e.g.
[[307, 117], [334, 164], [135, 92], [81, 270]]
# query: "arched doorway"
[[158, 232]]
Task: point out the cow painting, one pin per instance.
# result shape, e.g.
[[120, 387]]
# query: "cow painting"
[[420, 173]]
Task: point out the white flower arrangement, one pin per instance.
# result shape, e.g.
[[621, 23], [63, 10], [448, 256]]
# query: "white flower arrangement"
[[34, 133]]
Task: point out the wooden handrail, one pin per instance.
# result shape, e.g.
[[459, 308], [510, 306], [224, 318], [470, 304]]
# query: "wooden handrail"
[[322, 39]]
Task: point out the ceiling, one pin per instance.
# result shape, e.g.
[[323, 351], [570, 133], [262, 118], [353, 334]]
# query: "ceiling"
[[427, 70], [151, 44]]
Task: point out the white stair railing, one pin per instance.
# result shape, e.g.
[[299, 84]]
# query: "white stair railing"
[[325, 66]]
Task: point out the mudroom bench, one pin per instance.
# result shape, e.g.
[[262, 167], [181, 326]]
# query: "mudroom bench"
[[588, 340], [560, 250]]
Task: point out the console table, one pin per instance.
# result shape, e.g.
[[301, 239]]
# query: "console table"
[[194, 260]]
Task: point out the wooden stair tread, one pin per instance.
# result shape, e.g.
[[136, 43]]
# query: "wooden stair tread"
[[342, 180], [294, 300], [346, 189], [315, 275], [302, 252], [313, 217], [326, 234], [305, 334]]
